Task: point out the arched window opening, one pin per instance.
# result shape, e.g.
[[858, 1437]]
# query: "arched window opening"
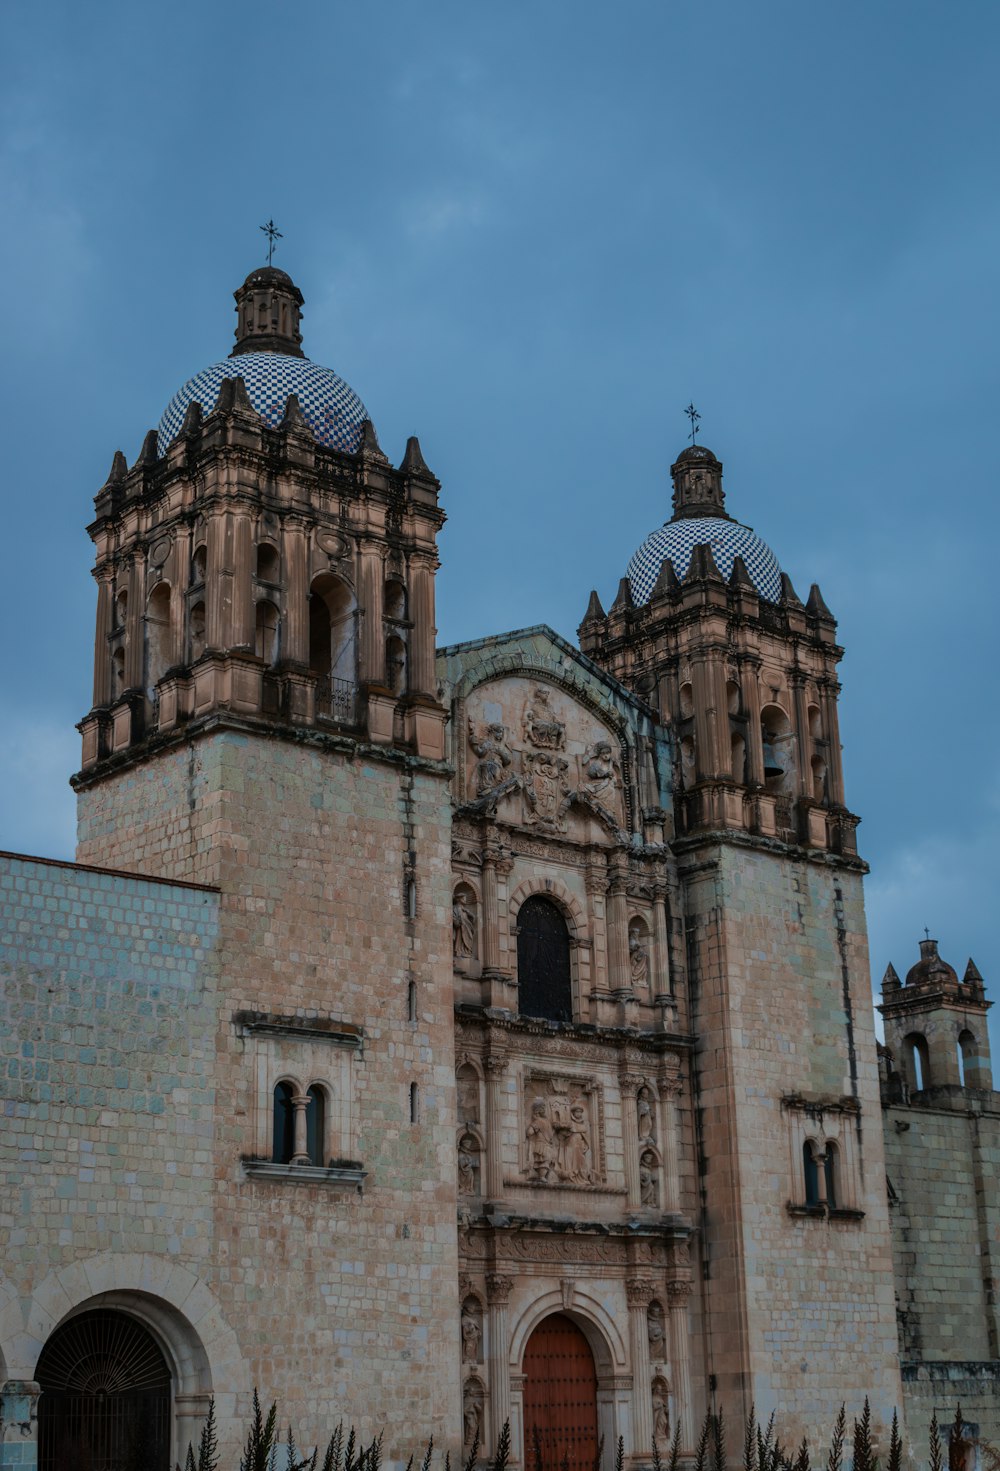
[[266, 637], [268, 563], [732, 697], [968, 1060], [118, 672], [687, 701], [917, 1061], [779, 757], [316, 1125], [157, 637], [395, 665], [199, 561], [818, 779], [738, 756], [394, 600], [105, 1398], [688, 762], [810, 1173], [332, 646], [121, 609], [197, 626], [544, 985], [284, 1124], [815, 723], [831, 1174]]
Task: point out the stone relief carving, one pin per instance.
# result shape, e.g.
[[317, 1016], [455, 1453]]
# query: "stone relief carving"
[[566, 1248], [560, 1131], [638, 955], [541, 728], [645, 1115], [493, 777], [473, 1398], [468, 1165], [661, 1410], [472, 1331], [649, 1184], [545, 791], [463, 923]]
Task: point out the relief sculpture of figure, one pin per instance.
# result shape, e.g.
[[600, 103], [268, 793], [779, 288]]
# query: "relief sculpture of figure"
[[600, 776], [472, 1414], [576, 1150], [654, 1324], [661, 1411], [468, 1165], [638, 956], [471, 1334], [494, 758], [644, 1114], [463, 927], [649, 1193], [541, 727], [542, 1149]]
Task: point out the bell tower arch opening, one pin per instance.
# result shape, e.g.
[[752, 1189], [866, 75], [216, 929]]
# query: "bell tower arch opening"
[[560, 1395]]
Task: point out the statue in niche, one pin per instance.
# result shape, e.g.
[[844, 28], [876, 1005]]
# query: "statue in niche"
[[545, 788], [655, 1329], [576, 1167], [494, 760], [468, 1165], [649, 1189], [472, 1412], [472, 1331], [468, 1095], [463, 926], [644, 1115], [541, 728], [661, 1410], [638, 955], [542, 1147]]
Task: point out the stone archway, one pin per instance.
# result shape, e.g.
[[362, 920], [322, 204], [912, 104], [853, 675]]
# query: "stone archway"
[[560, 1397]]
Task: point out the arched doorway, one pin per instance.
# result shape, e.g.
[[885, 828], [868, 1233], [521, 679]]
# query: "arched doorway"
[[544, 987], [105, 1402], [560, 1397]]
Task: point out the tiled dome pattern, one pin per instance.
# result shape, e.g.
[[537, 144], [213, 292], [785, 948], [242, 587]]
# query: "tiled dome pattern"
[[331, 408], [728, 539]]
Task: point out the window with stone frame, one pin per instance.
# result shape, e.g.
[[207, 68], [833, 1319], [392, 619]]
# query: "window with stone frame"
[[824, 1179]]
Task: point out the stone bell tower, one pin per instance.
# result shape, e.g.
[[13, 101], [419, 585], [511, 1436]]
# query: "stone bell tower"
[[935, 1028], [266, 722], [794, 1234]]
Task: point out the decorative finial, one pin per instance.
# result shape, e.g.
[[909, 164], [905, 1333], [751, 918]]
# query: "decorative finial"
[[695, 418], [273, 233], [927, 933]]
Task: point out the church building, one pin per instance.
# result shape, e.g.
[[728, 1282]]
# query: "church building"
[[441, 1037]]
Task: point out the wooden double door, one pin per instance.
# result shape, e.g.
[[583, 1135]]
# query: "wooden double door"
[[560, 1398]]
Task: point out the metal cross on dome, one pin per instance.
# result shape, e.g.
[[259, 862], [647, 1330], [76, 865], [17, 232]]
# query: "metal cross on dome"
[[273, 233], [695, 418]]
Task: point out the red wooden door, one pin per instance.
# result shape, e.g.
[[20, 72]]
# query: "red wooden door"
[[560, 1398]]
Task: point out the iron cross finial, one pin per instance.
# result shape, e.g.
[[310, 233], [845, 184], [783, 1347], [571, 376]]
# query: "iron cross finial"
[[273, 233], [695, 418], [927, 933]]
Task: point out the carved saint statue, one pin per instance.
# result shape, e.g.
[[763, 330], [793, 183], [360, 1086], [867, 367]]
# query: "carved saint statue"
[[542, 1147], [661, 1411], [649, 1190], [472, 1413], [655, 1328], [638, 956], [644, 1116], [541, 727], [463, 927], [600, 779], [468, 1165], [494, 758], [472, 1333], [576, 1166]]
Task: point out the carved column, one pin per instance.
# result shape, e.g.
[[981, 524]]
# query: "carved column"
[[102, 648], [295, 640], [628, 1085], [805, 747], [218, 583], [244, 630], [496, 1067], [135, 643], [491, 919], [751, 709], [663, 982], [678, 1294], [422, 677], [670, 1091], [371, 598], [619, 970], [498, 1290], [640, 1293], [829, 690], [300, 1103]]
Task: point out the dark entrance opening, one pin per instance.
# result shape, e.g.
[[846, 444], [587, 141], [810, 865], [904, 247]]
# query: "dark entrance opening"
[[105, 1402], [560, 1397], [544, 987]]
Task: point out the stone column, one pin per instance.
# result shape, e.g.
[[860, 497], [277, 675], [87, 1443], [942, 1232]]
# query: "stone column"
[[218, 583], [422, 677], [372, 633], [804, 736], [751, 709], [619, 970], [628, 1085], [829, 690], [640, 1294], [244, 616], [670, 1091], [190, 1414], [135, 623], [491, 919], [102, 648], [496, 1067], [498, 1290], [662, 981], [301, 1155], [295, 639], [19, 1425], [678, 1293]]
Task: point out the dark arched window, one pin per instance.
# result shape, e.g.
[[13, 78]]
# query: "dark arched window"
[[810, 1173], [105, 1395], [543, 972], [316, 1125], [831, 1170], [284, 1124]]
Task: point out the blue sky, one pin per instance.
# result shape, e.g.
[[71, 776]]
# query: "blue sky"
[[531, 234]]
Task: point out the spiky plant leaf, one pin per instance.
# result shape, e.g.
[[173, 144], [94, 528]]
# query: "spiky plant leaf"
[[719, 1438], [802, 1459], [208, 1449], [471, 1458], [750, 1441], [895, 1462], [620, 1454], [836, 1452], [937, 1458], [674, 1455], [701, 1451], [501, 1460]]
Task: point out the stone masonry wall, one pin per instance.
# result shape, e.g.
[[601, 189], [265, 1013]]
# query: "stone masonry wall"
[[311, 849], [774, 941]]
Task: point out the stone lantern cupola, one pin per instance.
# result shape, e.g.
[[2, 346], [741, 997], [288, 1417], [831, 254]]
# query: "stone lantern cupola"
[[697, 477], [935, 1028], [268, 310]]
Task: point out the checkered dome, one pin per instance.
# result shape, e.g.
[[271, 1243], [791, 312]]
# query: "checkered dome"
[[728, 539], [332, 410]]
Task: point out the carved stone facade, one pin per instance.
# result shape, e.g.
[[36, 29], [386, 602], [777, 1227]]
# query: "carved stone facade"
[[446, 1008]]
